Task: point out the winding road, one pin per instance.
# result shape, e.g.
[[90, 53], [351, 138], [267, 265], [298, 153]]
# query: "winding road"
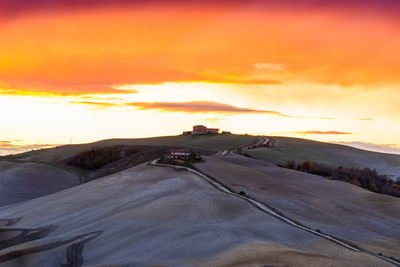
[[271, 211], [262, 141]]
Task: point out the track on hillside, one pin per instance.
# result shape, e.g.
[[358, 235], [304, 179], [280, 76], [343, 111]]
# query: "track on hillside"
[[275, 213]]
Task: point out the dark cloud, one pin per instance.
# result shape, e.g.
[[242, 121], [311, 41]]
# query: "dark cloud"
[[11, 8], [189, 107], [200, 107]]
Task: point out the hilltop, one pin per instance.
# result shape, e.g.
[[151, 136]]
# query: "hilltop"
[[40, 164]]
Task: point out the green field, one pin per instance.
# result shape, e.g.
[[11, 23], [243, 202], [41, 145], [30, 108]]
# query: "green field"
[[205, 142], [301, 150]]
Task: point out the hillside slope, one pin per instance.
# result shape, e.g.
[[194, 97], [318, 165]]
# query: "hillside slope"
[[37, 173], [206, 142], [155, 216], [301, 150], [23, 181], [367, 219]]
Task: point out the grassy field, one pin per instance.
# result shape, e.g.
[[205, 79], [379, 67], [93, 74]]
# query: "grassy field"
[[301, 150], [205, 142]]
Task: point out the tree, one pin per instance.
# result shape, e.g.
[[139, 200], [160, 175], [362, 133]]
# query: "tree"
[[290, 164], [307, 166], [373, 187]]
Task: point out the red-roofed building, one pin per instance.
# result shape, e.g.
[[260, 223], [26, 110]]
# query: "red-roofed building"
[[180, 153], [201, 129]]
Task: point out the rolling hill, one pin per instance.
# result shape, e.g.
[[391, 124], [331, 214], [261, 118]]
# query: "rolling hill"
[[156, 216], [204, 142], [130, 213], [301, 150], [41, 172]]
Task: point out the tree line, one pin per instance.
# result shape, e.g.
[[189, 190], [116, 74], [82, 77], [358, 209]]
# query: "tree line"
[[366, 178]]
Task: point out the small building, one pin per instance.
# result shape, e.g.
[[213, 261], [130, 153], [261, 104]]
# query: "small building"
[[199, 129], [183, 153], [226, 132], [212, 130]]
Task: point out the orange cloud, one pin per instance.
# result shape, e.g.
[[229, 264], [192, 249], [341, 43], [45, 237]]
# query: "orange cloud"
[[7, 147], [217, 44], [97, 104], [48, 89], [322, 132], [2, 143]]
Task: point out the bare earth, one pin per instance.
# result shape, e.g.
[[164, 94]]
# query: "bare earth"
[[23, 181], [366, 219], [155, 216]]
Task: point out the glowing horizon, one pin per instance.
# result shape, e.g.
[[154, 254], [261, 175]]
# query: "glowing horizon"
[[90, 70]]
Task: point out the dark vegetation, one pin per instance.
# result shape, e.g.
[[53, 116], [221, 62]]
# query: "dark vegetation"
[[365, 178], [102, 161], [193, 158], [98, 157]]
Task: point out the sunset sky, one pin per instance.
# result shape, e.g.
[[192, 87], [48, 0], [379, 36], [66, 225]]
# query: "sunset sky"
[[87, 70]]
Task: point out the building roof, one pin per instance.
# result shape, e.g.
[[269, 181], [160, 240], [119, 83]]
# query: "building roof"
[[180, 150]]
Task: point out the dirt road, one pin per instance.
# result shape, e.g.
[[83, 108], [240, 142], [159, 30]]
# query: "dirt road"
[[272, 211]]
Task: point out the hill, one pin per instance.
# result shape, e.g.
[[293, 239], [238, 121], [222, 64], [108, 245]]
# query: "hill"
[[300, 150], [349, 212], [205, 142], [155, 216], [22, 181], [130, 213], [41, 172]]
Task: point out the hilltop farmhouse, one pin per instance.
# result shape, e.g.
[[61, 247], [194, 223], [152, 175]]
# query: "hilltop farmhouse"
[[201, 129]]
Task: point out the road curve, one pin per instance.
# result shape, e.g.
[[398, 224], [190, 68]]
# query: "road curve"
[[262, 141], [263, 207]]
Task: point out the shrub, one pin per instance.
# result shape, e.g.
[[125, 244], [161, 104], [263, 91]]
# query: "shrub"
[[373, 187], [98, 157]]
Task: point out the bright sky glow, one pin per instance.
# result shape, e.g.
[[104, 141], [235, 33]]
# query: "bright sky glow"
[[123, 69]]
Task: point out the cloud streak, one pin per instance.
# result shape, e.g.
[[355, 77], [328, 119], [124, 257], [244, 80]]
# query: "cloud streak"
[[62, 89], [16, 7], [382, 148], [7, 147], [322, 133], [200, 107], [187, 107]]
